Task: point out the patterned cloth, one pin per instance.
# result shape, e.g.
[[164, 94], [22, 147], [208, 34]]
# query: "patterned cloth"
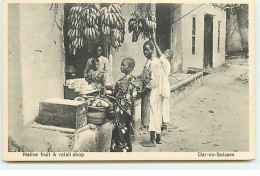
[[125, 92]]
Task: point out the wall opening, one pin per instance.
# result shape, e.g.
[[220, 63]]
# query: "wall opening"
[[75, 64], [208, 41], [193, 35], [163, 31]]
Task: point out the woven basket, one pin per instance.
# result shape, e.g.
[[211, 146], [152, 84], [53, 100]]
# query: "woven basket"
[[97, 115]]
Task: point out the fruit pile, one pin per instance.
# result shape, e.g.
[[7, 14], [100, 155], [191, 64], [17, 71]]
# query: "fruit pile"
[[96, 102], [139, 25], [113, 24], [93, 101]]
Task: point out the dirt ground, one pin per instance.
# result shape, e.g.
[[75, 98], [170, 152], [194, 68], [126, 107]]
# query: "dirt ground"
[[215, 117]]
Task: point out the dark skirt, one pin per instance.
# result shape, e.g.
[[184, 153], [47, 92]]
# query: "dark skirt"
[[145, 107], [122, 135]]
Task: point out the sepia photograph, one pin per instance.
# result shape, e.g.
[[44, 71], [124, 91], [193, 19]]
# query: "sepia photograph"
[[119, 80]]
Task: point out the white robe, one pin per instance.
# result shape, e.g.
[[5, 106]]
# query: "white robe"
[[164, 89], [155, 116]]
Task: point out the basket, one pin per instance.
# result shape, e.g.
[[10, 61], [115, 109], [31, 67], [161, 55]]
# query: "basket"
[[97, 115]]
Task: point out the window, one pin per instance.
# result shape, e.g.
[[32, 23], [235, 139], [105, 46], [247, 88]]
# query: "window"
[[193, 34], [219, 22]]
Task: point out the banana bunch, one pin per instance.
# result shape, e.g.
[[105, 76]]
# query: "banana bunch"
[[142, 25], [76, 25], [87, 21], [106, 29], [136, 25], [92, 14], [75, 18], [74, 33], [111, 16], [113, 24], [92, 17], [150, 22], [116, 37], [83, 22], [76, 43], [91, 33]]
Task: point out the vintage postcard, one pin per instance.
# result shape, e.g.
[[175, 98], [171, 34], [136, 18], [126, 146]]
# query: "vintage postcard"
[[114, 80]]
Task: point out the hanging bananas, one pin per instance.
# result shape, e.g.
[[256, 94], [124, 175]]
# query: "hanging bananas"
[[116, 38], [76, 25], [113, 24], [92, 17], [83, 21], [151, 22], [87, 21], [139, 25], [91, 34]]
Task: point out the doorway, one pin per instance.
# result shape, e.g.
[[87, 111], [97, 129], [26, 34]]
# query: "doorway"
[[208, 41], [75, 64], [163, 30]]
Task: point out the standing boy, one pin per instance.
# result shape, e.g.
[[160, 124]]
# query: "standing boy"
[[164, 85]]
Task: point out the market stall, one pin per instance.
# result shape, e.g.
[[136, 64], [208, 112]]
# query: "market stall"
[[85, 103]]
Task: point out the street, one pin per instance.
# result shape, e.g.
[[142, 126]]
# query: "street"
[[215, 117]]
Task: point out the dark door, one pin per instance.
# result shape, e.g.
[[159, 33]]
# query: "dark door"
[[163, 30], [208, 41]]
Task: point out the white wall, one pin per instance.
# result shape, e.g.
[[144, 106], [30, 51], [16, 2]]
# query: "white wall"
[[42, 56], [219, 57], [15, 118], [196, 60]]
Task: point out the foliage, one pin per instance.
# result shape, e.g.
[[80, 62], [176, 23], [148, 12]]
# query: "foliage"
[[232, 8]]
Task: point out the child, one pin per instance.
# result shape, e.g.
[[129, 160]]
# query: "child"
[[103, 62], [124, 94], [96, 75], [164, 87]]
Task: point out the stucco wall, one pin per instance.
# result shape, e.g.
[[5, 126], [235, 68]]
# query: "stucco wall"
[[129, 48], [196, 60], [41, 55], [14, 76]]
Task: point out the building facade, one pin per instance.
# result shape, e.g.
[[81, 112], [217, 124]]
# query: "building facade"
[[37, 59], [198, 34]]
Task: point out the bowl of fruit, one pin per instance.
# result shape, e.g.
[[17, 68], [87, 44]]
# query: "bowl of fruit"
[[97, 109]]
